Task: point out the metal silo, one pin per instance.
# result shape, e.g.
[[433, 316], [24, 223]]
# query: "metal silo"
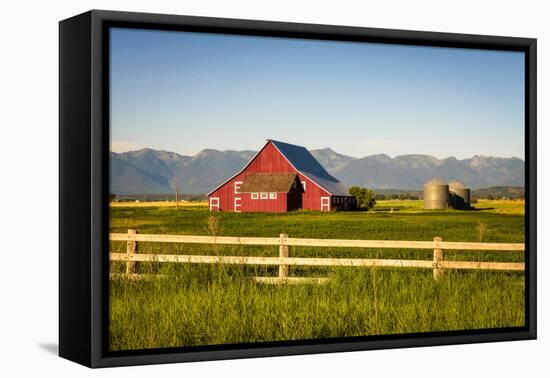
[[436, 194], [459, 196]]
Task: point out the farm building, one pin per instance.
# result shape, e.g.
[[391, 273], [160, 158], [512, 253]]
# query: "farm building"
[[459, 195], [436, 194], [281, 177]]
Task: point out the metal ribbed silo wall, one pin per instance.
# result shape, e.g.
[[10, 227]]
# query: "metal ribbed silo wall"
[[436, 196], [460, 198]]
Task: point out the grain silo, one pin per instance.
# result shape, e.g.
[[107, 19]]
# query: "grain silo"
[[459, 196], [436, 194]]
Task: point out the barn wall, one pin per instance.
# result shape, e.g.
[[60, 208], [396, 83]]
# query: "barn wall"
[[278, 205], [226, 194], [311, 198], [270, 160]]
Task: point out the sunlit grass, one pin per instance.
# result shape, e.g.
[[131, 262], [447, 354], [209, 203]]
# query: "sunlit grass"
[[190, 305]]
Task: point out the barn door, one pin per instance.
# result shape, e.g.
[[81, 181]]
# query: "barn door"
[[325, 203]]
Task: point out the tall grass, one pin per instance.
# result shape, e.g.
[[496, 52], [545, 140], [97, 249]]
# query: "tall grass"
[[209, 305], [191, 305]]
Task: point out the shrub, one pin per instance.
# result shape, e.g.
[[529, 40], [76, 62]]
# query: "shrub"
[[365, 197]]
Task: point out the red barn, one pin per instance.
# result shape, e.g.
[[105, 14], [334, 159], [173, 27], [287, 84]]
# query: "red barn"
[[281, 177]]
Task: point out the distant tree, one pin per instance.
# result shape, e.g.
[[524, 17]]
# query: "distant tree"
[[407, 196], [365, 198], [379, 197]]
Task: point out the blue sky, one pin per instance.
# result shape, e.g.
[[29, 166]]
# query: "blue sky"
[[184, 92]]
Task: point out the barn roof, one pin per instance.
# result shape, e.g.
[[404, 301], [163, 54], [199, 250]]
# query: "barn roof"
[[268, 182], [304, 162]]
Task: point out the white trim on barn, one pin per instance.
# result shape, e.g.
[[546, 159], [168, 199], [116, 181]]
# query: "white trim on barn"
[[237, 186], [235, 204], [212, 204]]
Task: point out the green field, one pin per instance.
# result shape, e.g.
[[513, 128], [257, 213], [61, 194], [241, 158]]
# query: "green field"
[[194, 305]]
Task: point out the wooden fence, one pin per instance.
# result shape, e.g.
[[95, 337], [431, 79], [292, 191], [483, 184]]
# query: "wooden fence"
[[438, 264]]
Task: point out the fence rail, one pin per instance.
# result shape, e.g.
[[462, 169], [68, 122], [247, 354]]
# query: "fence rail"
[[438, 264], [300, 242]]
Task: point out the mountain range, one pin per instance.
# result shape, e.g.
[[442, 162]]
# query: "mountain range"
[[149, 171]]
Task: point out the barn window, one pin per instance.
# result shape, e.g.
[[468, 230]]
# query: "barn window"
[[272, 195], [254, 195], [263, 195]]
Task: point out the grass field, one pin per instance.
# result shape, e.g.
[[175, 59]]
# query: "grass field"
[[216, 304]]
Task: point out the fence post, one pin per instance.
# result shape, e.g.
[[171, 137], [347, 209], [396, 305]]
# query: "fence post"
[[284, 251], [438, 258], [131, 248]]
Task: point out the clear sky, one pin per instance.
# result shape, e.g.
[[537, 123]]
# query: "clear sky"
[[184, 92]]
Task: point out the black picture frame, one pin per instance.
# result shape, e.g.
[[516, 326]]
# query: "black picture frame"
[[84, 185]]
